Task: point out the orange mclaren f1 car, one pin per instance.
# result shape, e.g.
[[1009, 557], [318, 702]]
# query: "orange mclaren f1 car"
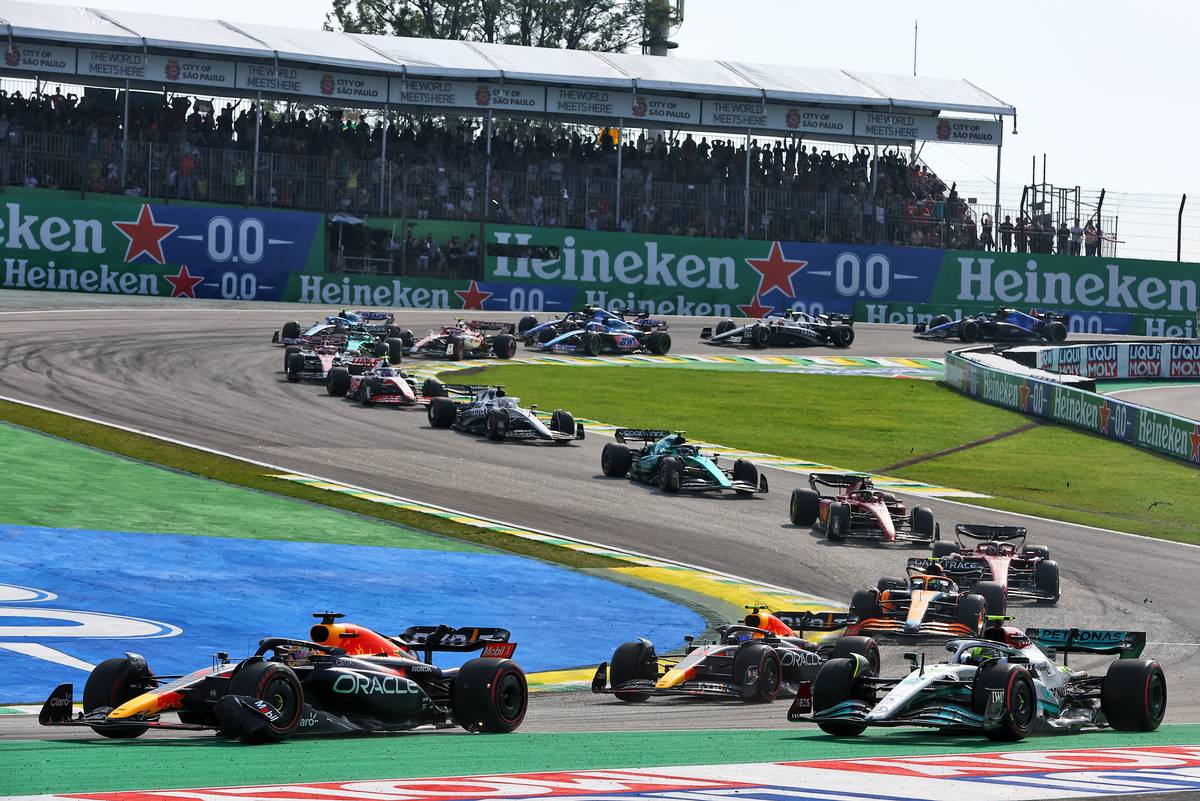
[[344, 679], [926, 606]]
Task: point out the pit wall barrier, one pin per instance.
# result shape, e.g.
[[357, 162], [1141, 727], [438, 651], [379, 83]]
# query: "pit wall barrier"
[[1013, 388], [56, 240]]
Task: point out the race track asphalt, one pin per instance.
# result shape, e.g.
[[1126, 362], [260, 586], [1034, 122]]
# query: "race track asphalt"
[[1181, 400], [206, 374]]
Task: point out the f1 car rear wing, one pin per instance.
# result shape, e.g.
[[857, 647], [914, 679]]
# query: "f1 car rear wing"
[[639, 434], [839, 480], [800, 622], [486, 325], [465, 389], [1125, 644], [492, 641], [986, 533]]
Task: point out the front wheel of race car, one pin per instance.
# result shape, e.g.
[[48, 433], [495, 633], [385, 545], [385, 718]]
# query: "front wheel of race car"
[[1046, 580], [504, 346], [994, 596], [1056, 332], [525, 323], [837, 525], [921, 518], [670, 474], [760, 336], [295, 367], [747, 472], [495, 425], [842, 336], [968, 331], [633, 661], [1013, 686], [615, 460], [291, 330], [563, 422], [457, 350], [864, 604], [489, 695], [1134, 695], [838, 681], [112, 683], [804, 506], [723, 326], [432, 388], [287, 354], [395, 350], [442, 412], [658, 343], [278, 686], [971, 610], [757, 672], [337, 383], [939, 319]]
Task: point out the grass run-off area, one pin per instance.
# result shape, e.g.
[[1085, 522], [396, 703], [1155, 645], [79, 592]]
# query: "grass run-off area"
[[867, 423]]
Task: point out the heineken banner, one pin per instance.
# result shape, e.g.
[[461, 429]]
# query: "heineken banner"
[[1146, 428]]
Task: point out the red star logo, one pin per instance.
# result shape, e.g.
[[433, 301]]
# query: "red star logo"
[[1024, 395], [145, 235], [1196, 445], [183, 283], [473, 297], [776, 271], [755, 309], [1104, 413]]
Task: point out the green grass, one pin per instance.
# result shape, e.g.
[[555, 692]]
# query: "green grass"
[[243, 474], [866, 423]]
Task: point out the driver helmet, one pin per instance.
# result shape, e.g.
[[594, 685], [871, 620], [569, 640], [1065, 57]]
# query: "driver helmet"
[[976, 656], [500, 393]]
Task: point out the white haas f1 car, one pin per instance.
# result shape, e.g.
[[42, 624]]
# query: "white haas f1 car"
[[465, 340], [491, 411], [755, 661], [380, 383], [998, 554], [1005, 685], [792, 328]]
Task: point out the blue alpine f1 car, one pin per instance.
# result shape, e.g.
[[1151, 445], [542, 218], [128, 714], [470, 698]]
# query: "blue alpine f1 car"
[[594, 331], [1004, 325], [673, 464]]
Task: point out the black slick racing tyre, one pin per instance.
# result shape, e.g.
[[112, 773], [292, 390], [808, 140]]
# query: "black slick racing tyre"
[[365, 392], [1134, 695], [278, 686], [865, 604], [1056, 332], [1046, 580], [942, 549], [760, 336], [395, 350], [804, 506], [723, 326], [1039, 551], [658, 343], [457, 350], [630, 662], [504, 346], [1013, 685], [615, 459], [442, 412], [842, 336], [337, 383], [112, 683], [287, 354], [670, 474], [489, 695], [432, 388], [939, 319], [837, 525], [493, 426], [290, 330], [563, 422], [525, 323], [590, 344], [968, 331], [295, 367], [546, 334], [970, 612], [994, 596], [891, 583], [761, 663], [866, 647], [921, 518], [836, 683], [748, 472]]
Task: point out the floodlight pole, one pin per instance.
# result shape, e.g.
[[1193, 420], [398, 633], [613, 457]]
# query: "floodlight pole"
[[486, 200], [874, 190], [996, 214], [383, 160], [257, 129], [620, 168], [746, 197], [125, 138]]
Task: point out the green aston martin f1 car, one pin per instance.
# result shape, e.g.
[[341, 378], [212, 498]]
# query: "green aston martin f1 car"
[[670, 462]]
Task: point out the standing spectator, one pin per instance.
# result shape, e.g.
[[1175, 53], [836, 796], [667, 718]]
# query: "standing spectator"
[[454, 256], [471, 253], [1089, 239], [986, 242], [1099, 240], [1022, 237], [1076, 238], [1064, 238], [1006, 234]]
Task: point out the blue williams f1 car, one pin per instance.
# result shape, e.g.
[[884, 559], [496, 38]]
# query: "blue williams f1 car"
[[670, 462], [1004, 324], [594, 331]]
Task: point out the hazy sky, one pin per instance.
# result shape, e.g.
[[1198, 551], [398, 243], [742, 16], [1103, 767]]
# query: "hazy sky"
[[1103, 88]]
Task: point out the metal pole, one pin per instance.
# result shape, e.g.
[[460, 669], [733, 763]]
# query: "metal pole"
[[620, 147], [915, 48], [1179, 230], [257, 129], [487, 197], [996, 216], [746, 197], [383, 159], [874, 188], [125, 137]]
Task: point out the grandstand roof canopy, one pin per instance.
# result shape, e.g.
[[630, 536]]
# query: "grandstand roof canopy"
[[455, 59]]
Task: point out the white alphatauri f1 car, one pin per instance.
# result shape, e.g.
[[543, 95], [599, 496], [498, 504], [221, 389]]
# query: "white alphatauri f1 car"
[[1004, 685]]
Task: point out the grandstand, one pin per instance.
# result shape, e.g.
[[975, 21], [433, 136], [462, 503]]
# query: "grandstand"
[[166, 107]]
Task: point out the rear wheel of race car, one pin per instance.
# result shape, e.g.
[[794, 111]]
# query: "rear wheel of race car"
[[525, 323], [1046, 580], [760, 336], [761, 661], [865, 604], [970, 612], [295, 367], [504, 346], [943, 549], [837, 682], [494, 425], [1134, 695], [723, 326], [747, 472], [891, 584], [287, 354], [1013, 685], [1056, 331], [563, 422], [804, 506], [291, 330], [630, 662], [939, 319], [337, 383], [589, 343], [658, 343], [968, 331], [994, 596], [442, 412], [865, 647], [1038, 551], [432, 388], [922, 521], [615, 459], [489, 695], [278, 686], [670, 474], [838, 523], [842, 336], [395, 350], [112, 683]]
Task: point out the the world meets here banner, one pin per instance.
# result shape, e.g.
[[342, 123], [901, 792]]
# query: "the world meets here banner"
[[132, 246]]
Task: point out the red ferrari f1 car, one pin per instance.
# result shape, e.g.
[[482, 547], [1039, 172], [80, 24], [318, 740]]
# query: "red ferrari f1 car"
[[855, 508]]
